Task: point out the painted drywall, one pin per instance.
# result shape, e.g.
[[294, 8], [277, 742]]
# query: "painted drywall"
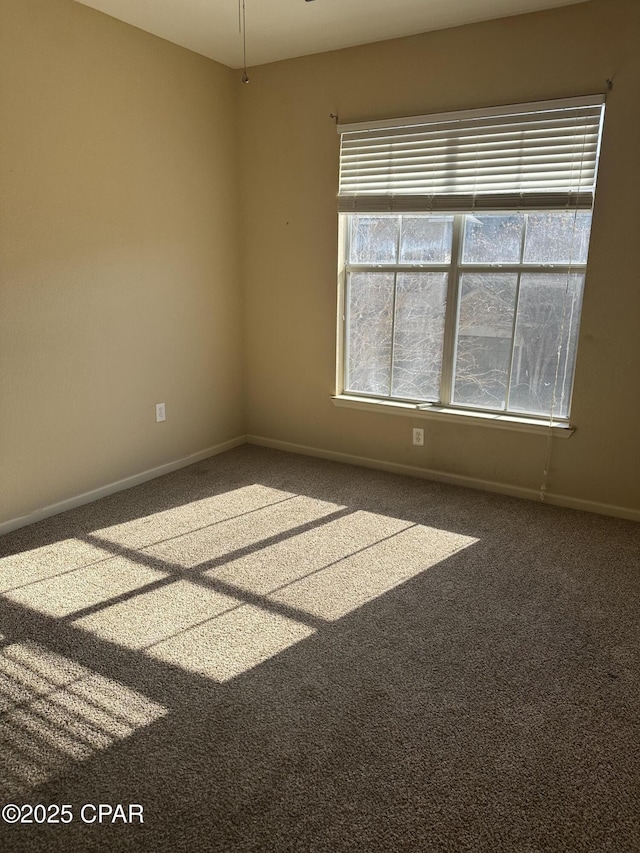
[[122, 252], [119, 253], [289, 168]]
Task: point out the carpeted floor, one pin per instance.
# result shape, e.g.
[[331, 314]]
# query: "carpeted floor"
[[274, 653]]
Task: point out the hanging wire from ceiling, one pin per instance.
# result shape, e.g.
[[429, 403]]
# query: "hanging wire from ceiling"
[[242, 28]]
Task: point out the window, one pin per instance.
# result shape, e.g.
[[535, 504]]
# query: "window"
[[465, 242]]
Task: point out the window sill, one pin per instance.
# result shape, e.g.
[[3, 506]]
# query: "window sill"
[[414, 410]]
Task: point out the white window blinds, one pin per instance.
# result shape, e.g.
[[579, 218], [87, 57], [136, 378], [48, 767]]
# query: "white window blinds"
[[526, 156]]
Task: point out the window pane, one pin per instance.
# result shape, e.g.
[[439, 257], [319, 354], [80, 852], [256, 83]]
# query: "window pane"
[[374, 239], [369, 310], [548, 318], [483, 345], [492, 238], [426, 239], [419, 331], [558, 237]]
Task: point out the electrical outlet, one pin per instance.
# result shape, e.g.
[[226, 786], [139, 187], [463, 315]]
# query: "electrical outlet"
[[418, 437], [161, 414]]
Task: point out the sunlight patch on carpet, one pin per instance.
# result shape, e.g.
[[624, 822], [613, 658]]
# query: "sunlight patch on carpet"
[[55, 712], [232, 535], [85, 587], [232, 643], [267, 569], [324, 572], [184, 518], [37, 564], [361, 577], [157, 615], [233, 580]]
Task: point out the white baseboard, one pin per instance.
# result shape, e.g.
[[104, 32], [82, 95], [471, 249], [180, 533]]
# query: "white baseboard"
[[289, 447], [118, 486], [452, 479]]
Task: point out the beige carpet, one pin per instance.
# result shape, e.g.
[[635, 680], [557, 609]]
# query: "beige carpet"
[[274, 653]]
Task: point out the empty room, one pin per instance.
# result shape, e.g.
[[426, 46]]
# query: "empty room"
[[319, 460]]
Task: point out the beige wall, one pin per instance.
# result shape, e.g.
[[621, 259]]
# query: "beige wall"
[[120, 240], [289, 179], [118, 251]]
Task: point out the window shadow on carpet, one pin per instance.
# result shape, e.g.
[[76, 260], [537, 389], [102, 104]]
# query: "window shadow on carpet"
[[276, 653]]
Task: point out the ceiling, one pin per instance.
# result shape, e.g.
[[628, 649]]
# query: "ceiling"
[[281, 29]]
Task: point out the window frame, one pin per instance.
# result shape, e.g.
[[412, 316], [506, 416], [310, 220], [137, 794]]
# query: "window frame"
[[526, 157], [454, 269]]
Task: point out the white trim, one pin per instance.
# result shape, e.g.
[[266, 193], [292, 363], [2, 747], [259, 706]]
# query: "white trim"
[[460, 416], [506, 109], [452, 479], [118, 486]]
